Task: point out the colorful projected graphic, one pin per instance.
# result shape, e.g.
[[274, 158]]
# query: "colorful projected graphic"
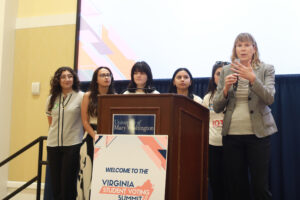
[[101, 46], [194, 34]]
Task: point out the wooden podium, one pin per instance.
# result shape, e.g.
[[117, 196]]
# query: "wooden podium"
[[185, 122]]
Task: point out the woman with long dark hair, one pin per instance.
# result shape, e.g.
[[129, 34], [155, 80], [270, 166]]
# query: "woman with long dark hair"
[[215, 161], [65, 132], [102, 83], [141, 79], [182, 83], [245, 90]]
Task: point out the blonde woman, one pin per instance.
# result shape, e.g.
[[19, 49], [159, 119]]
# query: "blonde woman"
[[244, 93]]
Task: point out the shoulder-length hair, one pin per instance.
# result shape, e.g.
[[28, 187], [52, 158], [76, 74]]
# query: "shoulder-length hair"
[[141, 66], [92, 107], [246, 37], [56, 89], [173, 88], [212, 86]]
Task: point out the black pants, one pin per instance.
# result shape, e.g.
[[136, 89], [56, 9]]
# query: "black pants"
[[64, 165], [244, 154], [216, 172]]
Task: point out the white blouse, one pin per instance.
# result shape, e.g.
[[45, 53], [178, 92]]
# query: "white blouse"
[[66, 128]]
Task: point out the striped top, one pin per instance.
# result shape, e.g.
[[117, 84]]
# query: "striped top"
[[66, 128], [240, 121]]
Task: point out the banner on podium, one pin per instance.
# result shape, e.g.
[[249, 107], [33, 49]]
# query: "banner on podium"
[[138, 124], [129, 167]]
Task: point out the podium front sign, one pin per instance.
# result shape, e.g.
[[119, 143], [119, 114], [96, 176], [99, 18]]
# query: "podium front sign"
[[134, 124], [129, 167]]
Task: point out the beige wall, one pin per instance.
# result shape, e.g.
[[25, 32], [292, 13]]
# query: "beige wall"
[[2, 11], [4, 149], [8, 13], [39, 51], [46, 50], [31, 8]]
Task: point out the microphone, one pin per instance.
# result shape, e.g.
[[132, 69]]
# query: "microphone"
[[235, 85]]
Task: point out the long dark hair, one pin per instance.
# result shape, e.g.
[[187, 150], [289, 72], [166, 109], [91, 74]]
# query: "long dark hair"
[[56, 87], [212, 86], [173, 88], [92, 107], [141, 66]]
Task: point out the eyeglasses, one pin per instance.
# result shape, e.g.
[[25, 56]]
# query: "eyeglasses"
[[69, 76], [108, 75], [222, 63]]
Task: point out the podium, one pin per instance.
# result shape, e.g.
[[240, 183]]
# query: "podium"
[[186, 124]]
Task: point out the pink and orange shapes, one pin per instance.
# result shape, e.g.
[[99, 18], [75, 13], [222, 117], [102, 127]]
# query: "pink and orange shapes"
[[153, 147]]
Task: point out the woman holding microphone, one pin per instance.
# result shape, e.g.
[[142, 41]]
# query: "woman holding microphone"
[[244, 93]]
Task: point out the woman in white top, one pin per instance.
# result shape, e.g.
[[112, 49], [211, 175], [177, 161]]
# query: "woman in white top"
[[141, 80], [65, 132], [102, 83], [215, 162], [182, 83]]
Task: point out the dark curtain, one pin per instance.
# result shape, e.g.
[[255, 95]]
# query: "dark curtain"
[[285, 155]]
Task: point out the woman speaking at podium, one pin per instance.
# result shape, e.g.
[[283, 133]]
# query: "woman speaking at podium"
[[102, 83], [245, 89], [141, 80]]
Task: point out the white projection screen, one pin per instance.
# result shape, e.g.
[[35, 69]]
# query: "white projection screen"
[[169, 34]]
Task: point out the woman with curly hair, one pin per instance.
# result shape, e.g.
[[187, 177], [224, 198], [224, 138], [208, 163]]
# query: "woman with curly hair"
[[65, 132], [102, 83]]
